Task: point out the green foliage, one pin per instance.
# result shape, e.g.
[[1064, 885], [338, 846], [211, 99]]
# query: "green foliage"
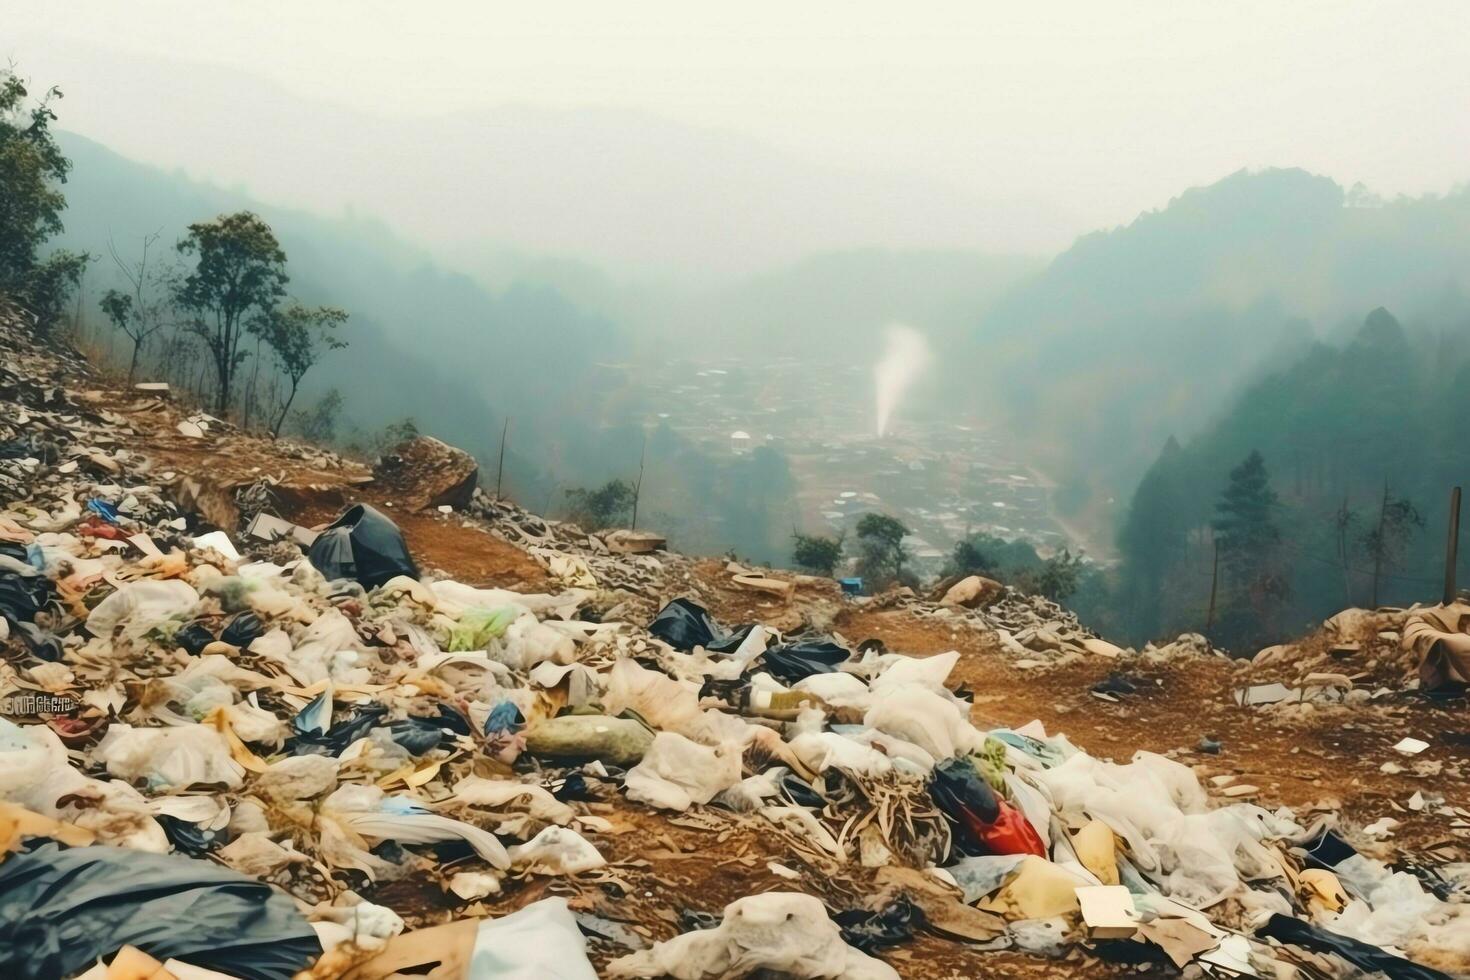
[[238, 278], [1057, 578], [298, 336], [319, 423], [881, 553], [816, 552], [1246, 525], [32, 170], [970, 557], [606, 506], [47, 287]]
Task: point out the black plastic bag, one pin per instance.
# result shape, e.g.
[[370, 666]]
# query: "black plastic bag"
[[363, 545], [684, 625], [194, 638], [959, 790], [339, 736], [22, 596], [1328, 851], [800, 793], [419, 735], [191, 838], [242, 630], [43, 645], [63, 908], [795, 661], [1360, 954], [889, 926]]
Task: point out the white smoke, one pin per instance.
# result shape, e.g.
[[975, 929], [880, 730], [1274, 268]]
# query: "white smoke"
[[905, 355]]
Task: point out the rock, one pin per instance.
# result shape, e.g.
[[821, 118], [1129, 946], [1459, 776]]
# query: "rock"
[[1099, 647], [1269, 655], [424, 472], [1044, 639], [771, 586], [1208, 745], [634, 542], [1323, 679], [973, 592]]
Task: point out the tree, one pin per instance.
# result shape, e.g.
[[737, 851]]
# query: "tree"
[[816, 552], [881, 553], [603, 507], [1057, 578], [32, 170], [1250, 541], [239, 277], [138, 312], [971, 558], [319, 423], [298, 335], [1398, 520]]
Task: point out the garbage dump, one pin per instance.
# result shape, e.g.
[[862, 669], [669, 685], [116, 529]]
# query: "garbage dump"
[[266, 759]]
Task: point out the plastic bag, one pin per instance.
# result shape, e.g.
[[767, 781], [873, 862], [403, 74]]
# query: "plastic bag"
[[242, 630], [931, 721], [23, 595], [785, 932], [893, 924], [194, 638], [794, 661], [363, 545], [170, 758], [141, 606], [677, 773], [540, 942], [984, 823], [61, 909], [684, 625], [1369, 958]]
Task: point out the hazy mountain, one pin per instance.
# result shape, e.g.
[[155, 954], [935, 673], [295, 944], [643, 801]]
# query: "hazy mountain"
[[1144, 331], [628, 190], [424, 341]]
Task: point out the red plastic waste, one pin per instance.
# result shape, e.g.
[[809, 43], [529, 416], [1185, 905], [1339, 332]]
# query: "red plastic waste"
[[1009, 833]]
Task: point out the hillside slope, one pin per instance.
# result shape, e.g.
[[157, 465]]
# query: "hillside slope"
[[79, 437]]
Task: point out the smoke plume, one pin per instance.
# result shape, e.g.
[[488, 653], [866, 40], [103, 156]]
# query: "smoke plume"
[[905, 355]]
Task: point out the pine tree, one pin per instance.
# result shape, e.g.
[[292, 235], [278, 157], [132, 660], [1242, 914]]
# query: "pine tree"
[[1250, 544]]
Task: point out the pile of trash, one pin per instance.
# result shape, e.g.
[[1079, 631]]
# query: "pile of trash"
[[307, 753]]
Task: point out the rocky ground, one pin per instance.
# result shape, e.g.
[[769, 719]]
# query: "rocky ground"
[[71, 435]]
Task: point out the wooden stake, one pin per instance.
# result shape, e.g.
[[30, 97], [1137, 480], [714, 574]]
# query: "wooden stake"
[[1452, 547], [500, 466], [638, 487], [1214, 582]]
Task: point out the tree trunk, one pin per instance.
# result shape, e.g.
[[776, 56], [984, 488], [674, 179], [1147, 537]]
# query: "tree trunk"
[[281, 420]]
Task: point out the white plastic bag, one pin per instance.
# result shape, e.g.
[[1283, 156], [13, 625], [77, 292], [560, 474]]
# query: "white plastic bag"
[[676, 773]]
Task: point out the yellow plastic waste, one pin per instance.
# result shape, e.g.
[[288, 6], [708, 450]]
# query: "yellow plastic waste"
[[1097, 849], [1321, 890], [1039, 890]]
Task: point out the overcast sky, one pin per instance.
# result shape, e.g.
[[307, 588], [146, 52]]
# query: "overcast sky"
[[1062, 116]]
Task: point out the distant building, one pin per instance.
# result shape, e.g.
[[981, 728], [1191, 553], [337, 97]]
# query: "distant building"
[[740, 441]]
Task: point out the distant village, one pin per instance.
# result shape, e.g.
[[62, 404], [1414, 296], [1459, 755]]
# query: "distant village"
[[943, 478]]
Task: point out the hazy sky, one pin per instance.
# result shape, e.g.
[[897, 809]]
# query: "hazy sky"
[[1061, 116]]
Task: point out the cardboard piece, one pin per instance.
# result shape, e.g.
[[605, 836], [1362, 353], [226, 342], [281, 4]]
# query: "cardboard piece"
[[1108, 911], [269, 527]]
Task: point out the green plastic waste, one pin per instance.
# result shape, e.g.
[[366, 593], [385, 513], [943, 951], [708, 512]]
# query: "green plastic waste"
[[478, 627]]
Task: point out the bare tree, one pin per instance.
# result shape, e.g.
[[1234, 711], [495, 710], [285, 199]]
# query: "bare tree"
[[139, 311]]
